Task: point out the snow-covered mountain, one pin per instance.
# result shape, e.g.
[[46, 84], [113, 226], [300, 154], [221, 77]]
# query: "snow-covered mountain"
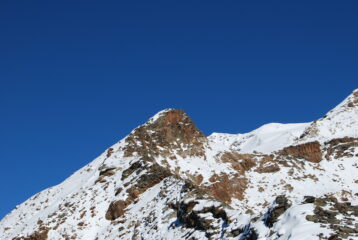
[[167, 180]]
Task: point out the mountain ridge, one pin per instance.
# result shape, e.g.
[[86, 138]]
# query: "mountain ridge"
[[166, 179]]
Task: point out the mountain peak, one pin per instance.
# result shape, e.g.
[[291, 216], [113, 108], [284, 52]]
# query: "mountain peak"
[[167, 179], [167, 133], [164, 113], [169, 116]]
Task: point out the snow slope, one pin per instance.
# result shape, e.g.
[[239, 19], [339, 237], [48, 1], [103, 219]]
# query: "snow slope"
[[266, 139]]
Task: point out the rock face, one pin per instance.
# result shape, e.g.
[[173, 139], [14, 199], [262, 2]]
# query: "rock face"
[[310, 151], [167, 180]]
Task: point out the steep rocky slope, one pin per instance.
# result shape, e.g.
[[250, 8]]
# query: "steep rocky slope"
[[167, 180]]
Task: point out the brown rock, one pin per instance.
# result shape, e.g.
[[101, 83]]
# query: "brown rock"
[[164, 135], [269, 169], [239, 162], [355, 94], [131, 169], [310, 151], [38, 235], [116, 210], [109, 152], [198, 179], [225, 187], [341, 147], [107, 172], [267, 165], [154, 175]]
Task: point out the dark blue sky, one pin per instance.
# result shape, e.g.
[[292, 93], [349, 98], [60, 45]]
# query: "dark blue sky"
[[77, 76]]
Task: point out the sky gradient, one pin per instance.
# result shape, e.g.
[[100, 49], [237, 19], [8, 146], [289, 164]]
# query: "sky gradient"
[[77, 76]]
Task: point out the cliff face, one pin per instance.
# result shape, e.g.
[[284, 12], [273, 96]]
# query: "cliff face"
[[310, 151], [167, 180]]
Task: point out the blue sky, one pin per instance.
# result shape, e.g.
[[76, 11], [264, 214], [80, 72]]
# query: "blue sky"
[[77, 76]]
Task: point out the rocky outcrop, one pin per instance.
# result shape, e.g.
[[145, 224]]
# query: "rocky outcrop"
[[202, 215], [171, 131], [107, 172], [341, 147], [239, 162], [109, 152], [280, 206], [116, 209], [190, 217], [38, 235], [267, 164], [326, 211], [224, 187], [152, 175], [354, 100], [136, 166], [309, 151]]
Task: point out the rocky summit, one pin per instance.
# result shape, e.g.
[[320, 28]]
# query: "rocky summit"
[[167, 180]]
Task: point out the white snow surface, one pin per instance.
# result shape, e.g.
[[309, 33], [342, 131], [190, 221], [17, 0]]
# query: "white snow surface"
[[76, 208], [266, 139]]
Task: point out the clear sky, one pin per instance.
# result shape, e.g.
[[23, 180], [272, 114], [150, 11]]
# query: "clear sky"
[[77, 76]]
